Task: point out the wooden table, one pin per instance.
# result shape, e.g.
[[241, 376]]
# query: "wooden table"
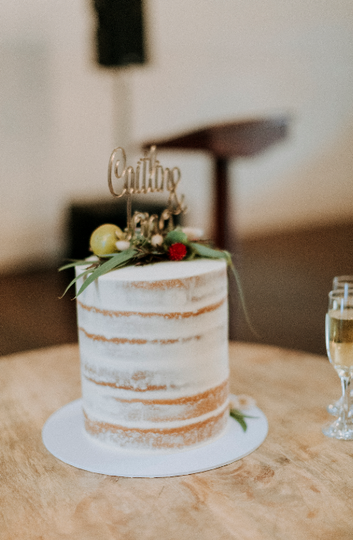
[[297, 485]]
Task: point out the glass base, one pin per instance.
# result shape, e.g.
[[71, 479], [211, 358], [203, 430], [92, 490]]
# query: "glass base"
[[335, 408], [339, 429]]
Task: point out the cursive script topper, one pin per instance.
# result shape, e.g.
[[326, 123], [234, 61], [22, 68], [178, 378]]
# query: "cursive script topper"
[[149, 176]]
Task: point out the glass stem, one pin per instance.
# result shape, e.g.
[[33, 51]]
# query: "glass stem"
[[346, 398]]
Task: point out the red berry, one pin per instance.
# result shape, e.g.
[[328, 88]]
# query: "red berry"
[[177, 252]]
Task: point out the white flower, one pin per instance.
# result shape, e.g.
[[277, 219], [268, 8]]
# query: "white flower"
[[122, 245], [241, 402], [157, 240], [192, 233]]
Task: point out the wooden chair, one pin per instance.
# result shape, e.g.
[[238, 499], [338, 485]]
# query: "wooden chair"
[[225, 142]]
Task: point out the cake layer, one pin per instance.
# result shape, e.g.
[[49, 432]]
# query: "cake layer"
[[159, 325], [127, 409], [169, 287], [180, 438], [154, 354], [169, 367]]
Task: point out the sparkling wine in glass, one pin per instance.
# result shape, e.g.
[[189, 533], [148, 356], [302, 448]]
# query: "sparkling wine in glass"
[[340, 283], [339, 346]]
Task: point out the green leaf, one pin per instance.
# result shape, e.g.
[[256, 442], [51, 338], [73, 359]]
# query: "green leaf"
[[209, 253], [75, 263], [176, 236], [72, 282], [239, 417], [242, 299], [120, 259]]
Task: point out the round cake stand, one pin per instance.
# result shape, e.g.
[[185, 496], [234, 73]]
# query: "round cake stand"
[[65, 437]]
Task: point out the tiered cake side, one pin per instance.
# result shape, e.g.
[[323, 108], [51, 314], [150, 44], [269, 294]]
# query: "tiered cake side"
[[154, 355]]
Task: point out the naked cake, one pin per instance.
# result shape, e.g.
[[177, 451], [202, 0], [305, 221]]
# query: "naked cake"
[[154, 355]]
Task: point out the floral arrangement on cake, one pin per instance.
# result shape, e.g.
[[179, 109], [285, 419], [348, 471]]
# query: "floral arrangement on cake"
[[112, 249]]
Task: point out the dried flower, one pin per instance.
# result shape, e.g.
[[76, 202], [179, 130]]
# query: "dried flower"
[[177, 251], [157, 240], [122, 245], [241, 402]]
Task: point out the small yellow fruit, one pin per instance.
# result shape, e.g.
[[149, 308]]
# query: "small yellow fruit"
[[103, 239]]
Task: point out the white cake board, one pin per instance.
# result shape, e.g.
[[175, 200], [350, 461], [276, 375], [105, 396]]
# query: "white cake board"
[[65, 437]]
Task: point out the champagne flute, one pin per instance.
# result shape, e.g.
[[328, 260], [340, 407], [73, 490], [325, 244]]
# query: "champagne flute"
[[339, 346], [339, 283]]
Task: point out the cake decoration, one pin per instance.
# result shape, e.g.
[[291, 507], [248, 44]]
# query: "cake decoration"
[[238, 406], [146, 239]]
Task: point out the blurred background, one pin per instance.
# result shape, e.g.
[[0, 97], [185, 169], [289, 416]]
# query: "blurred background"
[[63, 108]]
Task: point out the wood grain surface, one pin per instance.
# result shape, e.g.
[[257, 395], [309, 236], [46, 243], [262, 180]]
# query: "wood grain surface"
[[297, 485]]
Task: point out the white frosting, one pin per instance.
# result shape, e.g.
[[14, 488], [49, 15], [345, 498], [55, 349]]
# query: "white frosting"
[[151, 339], [166, 270], [191, 288]]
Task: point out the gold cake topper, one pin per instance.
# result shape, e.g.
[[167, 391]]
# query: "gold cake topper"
[[149, 176]]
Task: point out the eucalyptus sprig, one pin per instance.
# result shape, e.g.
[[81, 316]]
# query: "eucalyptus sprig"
[[99, 268], [239, 417]]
